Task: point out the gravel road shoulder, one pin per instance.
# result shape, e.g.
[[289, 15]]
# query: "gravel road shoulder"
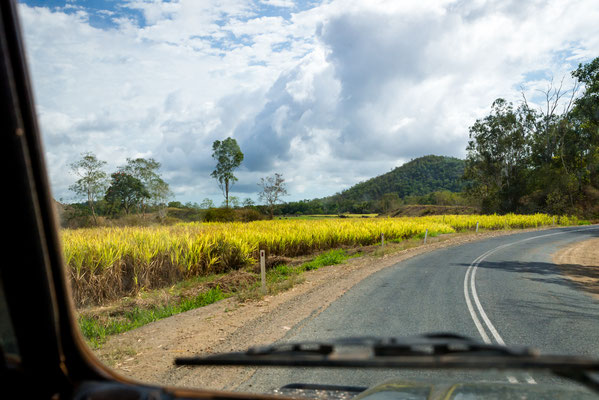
[[147, 353], [579, 262]]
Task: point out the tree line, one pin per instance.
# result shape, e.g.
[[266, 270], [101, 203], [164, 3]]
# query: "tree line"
[[133, 186], [137, 186], [528, 159]]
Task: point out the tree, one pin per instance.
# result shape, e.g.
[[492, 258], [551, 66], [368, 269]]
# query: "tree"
[[390, 201], [92, 180], [248, 202], [207, 203], [584, 138], [125, 192], [146, 170], [228, 157], [498, 155], [273, 188], [234, 200]]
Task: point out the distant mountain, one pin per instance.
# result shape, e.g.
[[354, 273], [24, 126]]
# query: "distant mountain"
[[415, 178]]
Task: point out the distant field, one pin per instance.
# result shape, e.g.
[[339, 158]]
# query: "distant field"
[[107, 263], [326, 216]]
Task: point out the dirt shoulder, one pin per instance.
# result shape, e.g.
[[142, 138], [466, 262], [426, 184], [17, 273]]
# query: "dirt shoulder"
[[579, 262], [147, 353]]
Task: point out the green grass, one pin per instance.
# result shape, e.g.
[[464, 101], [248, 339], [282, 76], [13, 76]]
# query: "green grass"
[[280, 278], [281, 273], [329, 258], [284, 277], [96, 331]]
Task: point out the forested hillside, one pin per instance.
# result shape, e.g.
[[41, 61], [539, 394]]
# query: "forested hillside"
[[416, 178], [425, 180]]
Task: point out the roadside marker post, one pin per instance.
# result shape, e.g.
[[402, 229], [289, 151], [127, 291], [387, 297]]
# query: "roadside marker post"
[[382, 240], [263, 270], [425, 235]]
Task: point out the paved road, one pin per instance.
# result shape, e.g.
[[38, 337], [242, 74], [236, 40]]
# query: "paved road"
[[519, 297]]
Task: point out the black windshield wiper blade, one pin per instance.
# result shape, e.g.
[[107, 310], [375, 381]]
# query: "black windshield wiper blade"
[[429, 344], [431, 351], [444, 344], [424, 351]]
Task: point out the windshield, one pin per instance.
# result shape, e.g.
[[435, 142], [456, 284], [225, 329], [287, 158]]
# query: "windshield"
[[238, 173]]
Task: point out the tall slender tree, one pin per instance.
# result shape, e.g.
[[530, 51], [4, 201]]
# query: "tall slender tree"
[[228, 157]]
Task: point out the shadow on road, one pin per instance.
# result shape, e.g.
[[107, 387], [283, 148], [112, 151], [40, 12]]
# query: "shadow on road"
[[575, 276]]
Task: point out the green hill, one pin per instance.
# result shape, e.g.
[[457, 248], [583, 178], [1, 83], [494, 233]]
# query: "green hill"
[[415, 178]]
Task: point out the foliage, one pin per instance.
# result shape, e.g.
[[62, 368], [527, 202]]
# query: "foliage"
[[228, 157], [146, 171], [417, 177], [220, 215], [407, 184], [333, 257], [498, 153], [232, 215], [527, 160], [273, 188], [125, 192], [389, 201], [234, 200], [206, 204], [92, 179]]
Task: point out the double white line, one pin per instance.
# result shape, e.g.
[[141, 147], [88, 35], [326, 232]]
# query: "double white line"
[[472, 297]]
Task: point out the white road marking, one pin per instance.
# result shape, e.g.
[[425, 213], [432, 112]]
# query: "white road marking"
[[470, 277], [479, 326]]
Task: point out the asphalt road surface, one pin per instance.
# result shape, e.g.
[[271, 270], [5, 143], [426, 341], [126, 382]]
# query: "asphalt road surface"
[[500, 290]]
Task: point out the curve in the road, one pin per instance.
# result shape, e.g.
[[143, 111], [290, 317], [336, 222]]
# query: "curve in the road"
[[522, 292]]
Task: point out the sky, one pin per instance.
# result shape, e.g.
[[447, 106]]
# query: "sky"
[[327, 93]]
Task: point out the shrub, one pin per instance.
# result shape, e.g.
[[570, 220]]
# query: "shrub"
[[220, 215], [249, 215], [232, 215]]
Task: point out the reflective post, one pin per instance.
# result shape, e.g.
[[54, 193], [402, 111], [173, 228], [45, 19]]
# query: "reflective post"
[[263, 270]]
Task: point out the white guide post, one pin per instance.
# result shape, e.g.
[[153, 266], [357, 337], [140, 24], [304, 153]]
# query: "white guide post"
[[263, 270]]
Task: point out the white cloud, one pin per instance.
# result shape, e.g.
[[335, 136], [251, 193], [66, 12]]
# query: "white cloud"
[[279, 3], [328, 95]]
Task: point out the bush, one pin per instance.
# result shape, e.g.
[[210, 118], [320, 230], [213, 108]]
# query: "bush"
[[249, 215], [232, 215], [220, 215], [185, 213]]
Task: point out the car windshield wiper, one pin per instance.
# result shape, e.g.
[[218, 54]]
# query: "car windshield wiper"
[[360, 347], [430, 351]]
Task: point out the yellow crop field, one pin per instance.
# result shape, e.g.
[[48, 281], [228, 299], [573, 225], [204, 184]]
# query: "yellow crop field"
[[106, 263]]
